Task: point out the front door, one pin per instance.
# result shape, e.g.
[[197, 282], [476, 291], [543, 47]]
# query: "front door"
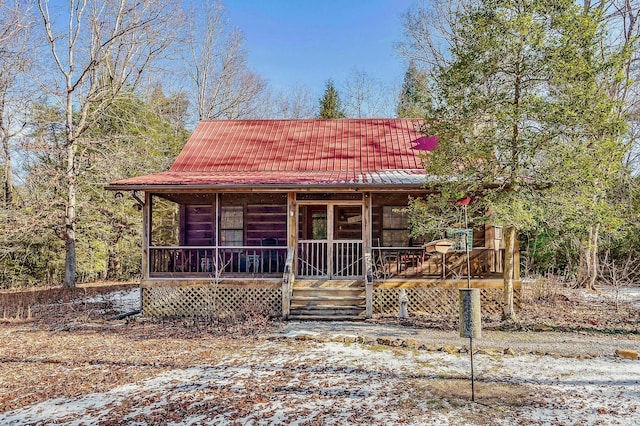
[[330, 241]]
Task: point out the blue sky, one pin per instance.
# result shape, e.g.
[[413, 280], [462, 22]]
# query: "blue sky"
[[308, 42]]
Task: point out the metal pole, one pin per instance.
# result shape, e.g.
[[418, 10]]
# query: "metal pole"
[[466, 247], [473, 393]]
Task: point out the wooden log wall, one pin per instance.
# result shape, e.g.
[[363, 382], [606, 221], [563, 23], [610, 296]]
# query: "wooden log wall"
[[264, 218], [198, 224], [266, 222]]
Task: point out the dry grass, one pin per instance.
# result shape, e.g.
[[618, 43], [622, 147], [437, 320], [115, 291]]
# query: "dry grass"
[[39, 364], [52, 303]]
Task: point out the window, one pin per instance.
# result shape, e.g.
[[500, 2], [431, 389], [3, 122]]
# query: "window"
[[231, 221], [395, 227]]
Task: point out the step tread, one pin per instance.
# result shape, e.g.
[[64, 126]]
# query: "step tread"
[[341, 312], [326, 318], [328, 297], [336, 289], [325, 308]]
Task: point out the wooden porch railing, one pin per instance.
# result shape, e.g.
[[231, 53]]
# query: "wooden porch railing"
[[337, 260], [415, 262], [221, 261], [313, 261]]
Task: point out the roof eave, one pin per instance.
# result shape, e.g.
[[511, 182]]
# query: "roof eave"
[[263, 187]]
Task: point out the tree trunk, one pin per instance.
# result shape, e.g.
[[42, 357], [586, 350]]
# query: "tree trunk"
[[114, 265], [8, 174], [508, 312], [70, 217], [71, 204], [588, 269]]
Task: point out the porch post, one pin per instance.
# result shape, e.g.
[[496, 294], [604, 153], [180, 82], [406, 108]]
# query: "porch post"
[[287, 283], [366, 243], [146, 234]]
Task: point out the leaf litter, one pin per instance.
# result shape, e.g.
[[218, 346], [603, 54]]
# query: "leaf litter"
[[147, 373]]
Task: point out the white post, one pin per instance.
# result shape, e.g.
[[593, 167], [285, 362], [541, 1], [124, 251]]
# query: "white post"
[[404, 301]]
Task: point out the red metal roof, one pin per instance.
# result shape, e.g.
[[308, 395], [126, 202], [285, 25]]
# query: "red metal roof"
[[290, 152]]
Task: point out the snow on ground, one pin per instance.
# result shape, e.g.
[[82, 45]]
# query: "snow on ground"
[[331, 383], [622, 294], [122, 301]]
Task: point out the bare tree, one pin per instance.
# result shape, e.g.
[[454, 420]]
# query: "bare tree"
[[14, 61], [428, 36], [365, 96], [99, 54], [297, 102], [619, 275], [622, 19], [217, 66]]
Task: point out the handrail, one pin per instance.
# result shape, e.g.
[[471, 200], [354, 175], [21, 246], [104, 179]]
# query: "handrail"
[[199, 261]]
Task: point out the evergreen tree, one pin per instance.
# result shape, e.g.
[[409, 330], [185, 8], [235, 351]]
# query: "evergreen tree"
[[414, 98], [108, 226], [330, 105], [516, 96]]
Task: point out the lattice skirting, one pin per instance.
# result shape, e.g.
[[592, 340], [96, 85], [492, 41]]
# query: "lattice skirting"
[[443, 301], [202, 301]]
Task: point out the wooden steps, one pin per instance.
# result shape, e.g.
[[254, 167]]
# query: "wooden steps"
[[326, 300]]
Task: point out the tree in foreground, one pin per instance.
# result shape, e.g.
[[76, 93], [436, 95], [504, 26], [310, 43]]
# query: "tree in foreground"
[[515, 74], [101, 53], [330, 104]]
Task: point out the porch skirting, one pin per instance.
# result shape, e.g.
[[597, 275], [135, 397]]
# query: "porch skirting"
[[193, 298], [180, 298], [428, 300]]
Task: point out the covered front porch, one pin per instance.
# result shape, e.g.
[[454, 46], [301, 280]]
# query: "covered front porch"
[[285, 241]]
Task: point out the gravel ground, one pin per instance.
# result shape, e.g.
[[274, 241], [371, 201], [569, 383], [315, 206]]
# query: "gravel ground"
[[574, 344]]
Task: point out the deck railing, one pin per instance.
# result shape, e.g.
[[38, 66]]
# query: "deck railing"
[[348, 259], [313, 261], [414, 262], [337, 260], [217, 262]]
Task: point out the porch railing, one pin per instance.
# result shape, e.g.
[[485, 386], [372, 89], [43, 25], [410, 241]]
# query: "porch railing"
[[414, 262], [338, 260], [313, 259], [216, 262], [316, 259], [348, 259]]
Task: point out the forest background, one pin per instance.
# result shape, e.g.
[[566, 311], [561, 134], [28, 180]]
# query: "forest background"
[[88, 96]]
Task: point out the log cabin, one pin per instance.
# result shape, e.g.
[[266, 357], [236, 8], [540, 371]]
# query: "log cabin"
[[302, 219]]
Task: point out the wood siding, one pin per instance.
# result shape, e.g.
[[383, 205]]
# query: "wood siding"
[[264, 220], [199, 229]]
